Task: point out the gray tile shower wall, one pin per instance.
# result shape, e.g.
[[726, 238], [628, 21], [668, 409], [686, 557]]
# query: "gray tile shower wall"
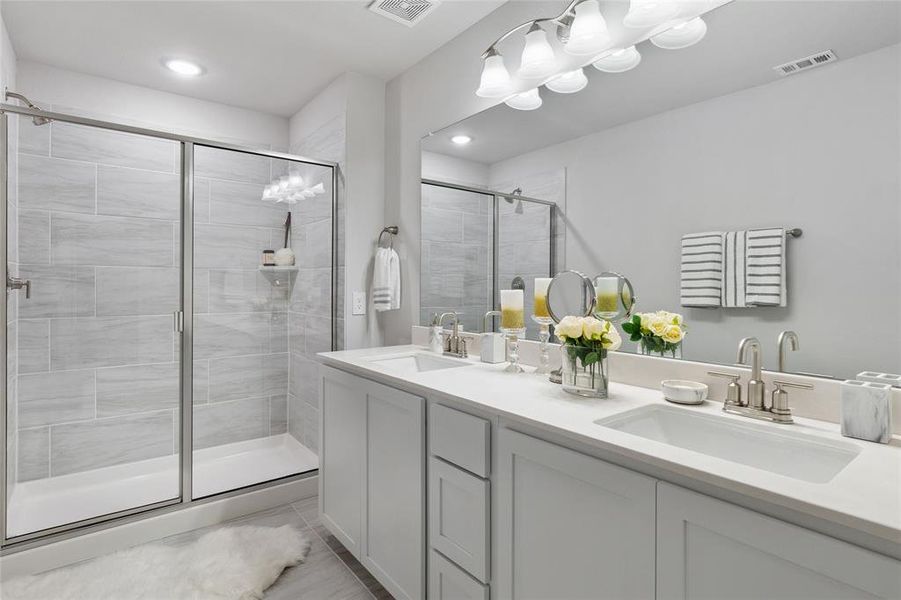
[[95, 377], [309, 308]]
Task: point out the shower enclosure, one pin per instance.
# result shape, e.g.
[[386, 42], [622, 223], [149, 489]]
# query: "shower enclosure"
[[151, 360], [476, 242]]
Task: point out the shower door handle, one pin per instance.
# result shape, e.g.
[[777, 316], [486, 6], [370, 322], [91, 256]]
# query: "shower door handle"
[[17, 283]]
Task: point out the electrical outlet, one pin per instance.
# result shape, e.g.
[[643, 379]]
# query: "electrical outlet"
[[359, 305]]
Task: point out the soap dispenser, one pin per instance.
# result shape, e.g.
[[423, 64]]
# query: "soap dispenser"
[[493, 346]]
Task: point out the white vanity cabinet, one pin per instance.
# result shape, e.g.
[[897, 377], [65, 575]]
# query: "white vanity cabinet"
[[570, 526], [707, 548], [372, 479]]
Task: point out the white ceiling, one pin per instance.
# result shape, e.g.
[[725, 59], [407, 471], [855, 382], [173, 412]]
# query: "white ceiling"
[[745, 39], [269, 56]]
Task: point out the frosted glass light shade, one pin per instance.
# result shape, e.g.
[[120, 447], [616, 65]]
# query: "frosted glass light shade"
[[538, 60], [619, 61], [649, 13], [319, 188], [529, 100], [588, 34], [568, 83], [495, 82], [681, 35], [295, 181]]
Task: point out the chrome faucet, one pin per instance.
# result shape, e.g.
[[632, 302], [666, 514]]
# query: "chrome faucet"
[[790, 337], [454, 343], [756, 386]]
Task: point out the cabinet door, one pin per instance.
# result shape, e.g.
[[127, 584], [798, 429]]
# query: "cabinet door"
[[458, 516], [447, 581], [712, 549], [570, 526], [395, 550], [341, 453]]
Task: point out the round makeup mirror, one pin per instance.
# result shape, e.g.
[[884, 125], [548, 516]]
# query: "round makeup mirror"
[[614, 297], [570, 293]]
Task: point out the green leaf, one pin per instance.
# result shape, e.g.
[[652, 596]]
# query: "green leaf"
[[590, 358], [629, 328], [635, 336]]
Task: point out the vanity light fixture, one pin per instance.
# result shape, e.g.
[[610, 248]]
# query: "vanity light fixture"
[[568, 83], [650, 13], [618, 61], [495, 82], [582, 30], [528, 100], [588, 34], [461, 140], [290, 189], [538, 60], [681, 34], [183, 67]]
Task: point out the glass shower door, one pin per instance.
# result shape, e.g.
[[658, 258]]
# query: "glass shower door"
[[93, 396], [258, 327]]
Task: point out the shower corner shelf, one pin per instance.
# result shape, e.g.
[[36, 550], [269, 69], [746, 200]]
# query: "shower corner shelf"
[[280, 276]]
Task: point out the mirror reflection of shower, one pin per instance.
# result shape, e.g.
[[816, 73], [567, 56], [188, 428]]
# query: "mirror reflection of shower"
[[510, 199]]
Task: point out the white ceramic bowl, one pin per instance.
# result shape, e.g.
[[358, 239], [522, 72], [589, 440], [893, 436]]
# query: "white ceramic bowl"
[[684, 392]]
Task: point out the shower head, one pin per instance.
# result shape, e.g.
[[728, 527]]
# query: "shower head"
[[510, 199], [35, 119]]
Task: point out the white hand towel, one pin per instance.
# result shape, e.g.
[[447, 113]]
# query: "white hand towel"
[[766, 268], [386, 280], [734, 279], [702, 269]]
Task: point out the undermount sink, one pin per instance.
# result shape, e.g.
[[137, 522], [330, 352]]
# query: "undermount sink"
[[784, 452], [417, 362]]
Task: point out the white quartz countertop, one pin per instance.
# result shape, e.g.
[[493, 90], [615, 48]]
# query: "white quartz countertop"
[[865, 495]]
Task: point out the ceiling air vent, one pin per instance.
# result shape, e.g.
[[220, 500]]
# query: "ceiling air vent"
[[408, 12], [809, 62]]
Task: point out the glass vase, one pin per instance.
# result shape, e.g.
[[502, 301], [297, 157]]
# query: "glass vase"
[[590, 380], [660, 348]]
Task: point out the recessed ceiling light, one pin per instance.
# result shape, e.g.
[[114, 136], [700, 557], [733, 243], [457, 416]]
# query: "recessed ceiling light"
[[183, 67], [461, 140]]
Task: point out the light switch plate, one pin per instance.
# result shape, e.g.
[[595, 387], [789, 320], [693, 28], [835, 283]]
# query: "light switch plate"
[[359, 305]]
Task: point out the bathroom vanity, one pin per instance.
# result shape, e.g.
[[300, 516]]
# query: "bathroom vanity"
[[451, 479]]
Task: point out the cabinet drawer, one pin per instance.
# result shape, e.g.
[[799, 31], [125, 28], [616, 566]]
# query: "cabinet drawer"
[[447, 581], [458, 517], [461, 439]]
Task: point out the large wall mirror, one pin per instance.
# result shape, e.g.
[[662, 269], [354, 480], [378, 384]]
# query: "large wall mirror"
[[708, 144]]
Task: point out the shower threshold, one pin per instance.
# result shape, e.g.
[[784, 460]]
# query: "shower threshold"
[[45, 503]]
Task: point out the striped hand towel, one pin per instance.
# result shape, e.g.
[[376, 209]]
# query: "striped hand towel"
[[702, 269], [386, 280], [734, 280], [766, 268]]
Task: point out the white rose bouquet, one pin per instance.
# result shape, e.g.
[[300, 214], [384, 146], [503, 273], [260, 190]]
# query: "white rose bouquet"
[[588, 338], [660, 332]]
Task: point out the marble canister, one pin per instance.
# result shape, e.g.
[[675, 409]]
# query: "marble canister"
[[867, 411]]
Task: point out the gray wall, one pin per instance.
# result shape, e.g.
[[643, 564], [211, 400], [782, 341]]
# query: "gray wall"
[[819, 150]]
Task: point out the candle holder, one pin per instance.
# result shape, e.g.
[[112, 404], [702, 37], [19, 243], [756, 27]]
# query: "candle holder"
[[513, 325], [513, 336], [544, 334]]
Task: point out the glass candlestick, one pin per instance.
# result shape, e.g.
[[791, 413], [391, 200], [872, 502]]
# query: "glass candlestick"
[[513, 325], [541, 316]]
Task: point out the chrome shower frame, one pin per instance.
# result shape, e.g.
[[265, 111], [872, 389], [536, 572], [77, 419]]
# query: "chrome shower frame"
[[184, 500]]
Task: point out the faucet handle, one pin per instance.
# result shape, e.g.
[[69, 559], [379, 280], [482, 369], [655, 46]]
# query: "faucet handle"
[[790, 384], [733, 390], [779, 404]]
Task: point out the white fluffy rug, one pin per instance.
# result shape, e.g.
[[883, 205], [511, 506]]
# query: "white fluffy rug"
[[232, 563]]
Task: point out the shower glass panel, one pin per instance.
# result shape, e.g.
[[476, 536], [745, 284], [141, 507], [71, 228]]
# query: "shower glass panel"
[[524, 247], [93, 358], [456, 264], [256, 329]]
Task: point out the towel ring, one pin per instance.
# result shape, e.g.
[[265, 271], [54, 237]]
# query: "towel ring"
[[391, 230]]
